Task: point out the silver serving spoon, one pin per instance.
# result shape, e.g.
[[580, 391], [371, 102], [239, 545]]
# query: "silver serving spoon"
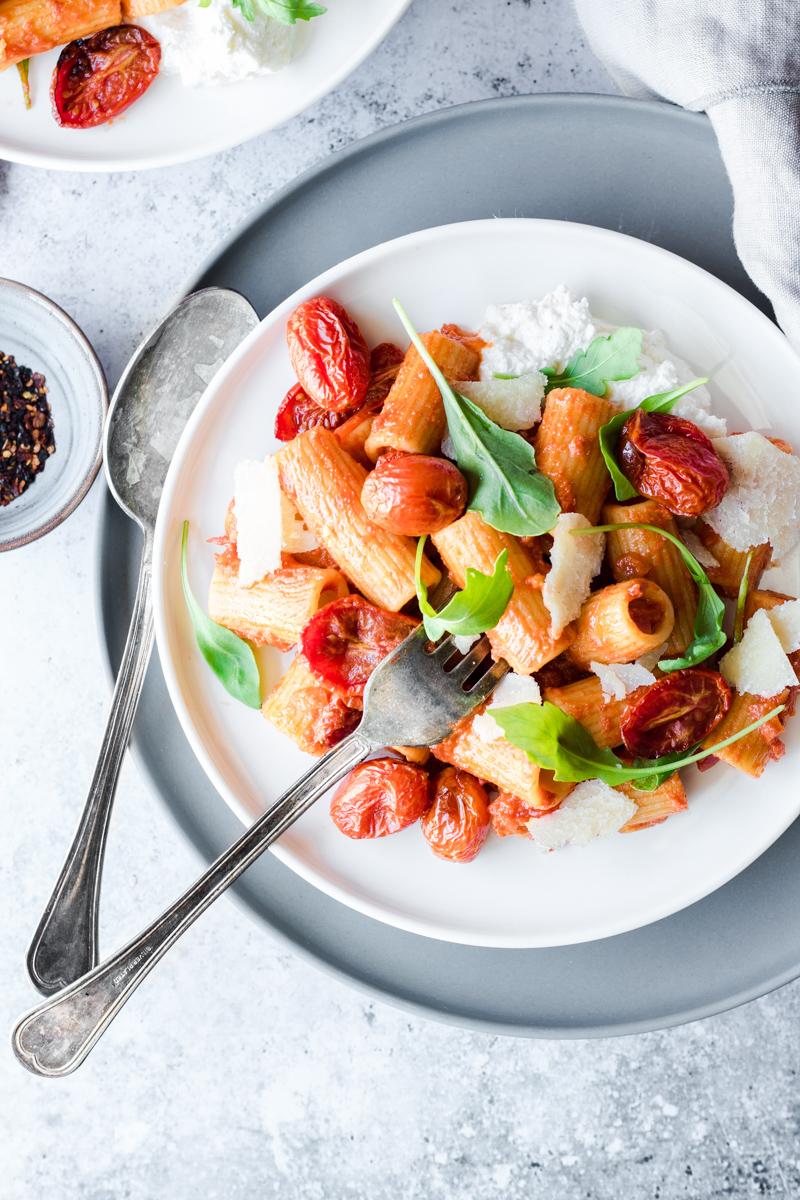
[[153, 400]]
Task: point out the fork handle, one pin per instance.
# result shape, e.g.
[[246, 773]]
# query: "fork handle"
[[64, 946], [56, 1037]]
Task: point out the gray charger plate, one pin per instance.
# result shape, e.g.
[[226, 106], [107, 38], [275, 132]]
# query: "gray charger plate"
[[648, 170]]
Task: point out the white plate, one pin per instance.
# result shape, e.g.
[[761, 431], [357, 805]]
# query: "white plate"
[[172, 123], [511, 895]]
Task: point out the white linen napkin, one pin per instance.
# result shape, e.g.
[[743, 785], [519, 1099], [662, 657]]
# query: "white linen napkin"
[[739, 61]]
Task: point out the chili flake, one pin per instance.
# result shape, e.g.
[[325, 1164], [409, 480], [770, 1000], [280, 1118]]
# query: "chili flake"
[[26, 428]]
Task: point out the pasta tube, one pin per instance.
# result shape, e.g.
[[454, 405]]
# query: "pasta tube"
[[568, 450], [273, 611], [637, 552], [313, 713], [585, 702], [652, 808], [755, 750], [522, 635], [501, 763], [412, 417], [29, 27], [728, 575], [620, 622], [132, 9], [325, 484]]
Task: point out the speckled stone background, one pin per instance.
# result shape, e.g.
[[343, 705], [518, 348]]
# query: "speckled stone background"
[[240, 1071]]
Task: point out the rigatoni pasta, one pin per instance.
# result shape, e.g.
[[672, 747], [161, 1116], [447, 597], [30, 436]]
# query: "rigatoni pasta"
[[584, 700], [325, 484], [522, 635], [638, 552], [731, 563], [412, 418], [568, 451], [30, 27], [274, 611], [502, 764], [622, 622]]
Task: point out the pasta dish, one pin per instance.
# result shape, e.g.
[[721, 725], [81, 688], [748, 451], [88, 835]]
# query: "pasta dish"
[[592, 516]]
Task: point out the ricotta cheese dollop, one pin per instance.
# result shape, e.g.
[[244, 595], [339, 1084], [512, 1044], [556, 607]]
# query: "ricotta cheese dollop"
[[218, 45], [529, 335]]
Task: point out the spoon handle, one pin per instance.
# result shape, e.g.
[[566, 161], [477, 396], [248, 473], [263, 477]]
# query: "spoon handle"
[[64, 946], [56, 1037]]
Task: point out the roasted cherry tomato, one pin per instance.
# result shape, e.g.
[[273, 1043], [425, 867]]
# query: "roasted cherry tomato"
[[329, 354], [414, 494], [457, 822], [674, 713], [379, 797], [298, 412], [345, 640], [672, 461], [98, 77], [384, 363]]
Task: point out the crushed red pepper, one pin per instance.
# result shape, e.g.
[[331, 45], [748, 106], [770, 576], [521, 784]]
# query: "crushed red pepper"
[[26, 428]]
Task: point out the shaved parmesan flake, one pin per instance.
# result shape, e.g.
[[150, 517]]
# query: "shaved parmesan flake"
[[693, 544], [574, 562], [762, 503], [619, 679], [591, 810], [257, 507], [511, 403], [464, 642], [512, 689], [785, 620], [758, 664]]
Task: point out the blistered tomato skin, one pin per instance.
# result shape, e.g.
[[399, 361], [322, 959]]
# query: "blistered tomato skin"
[[384, 363], [510, 815], [671, 460], [329, 355], [457, 822], [298, 412], [98, 77], [414, 494], [345, 641], [674, 713], [380, 797]]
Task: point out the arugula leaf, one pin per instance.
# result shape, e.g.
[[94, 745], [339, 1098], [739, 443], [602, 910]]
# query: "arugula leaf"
[[285, 11], [709, 636], [608, 435], [741, 599], [559, 743], [475, 609], [23, 68], [229, 656], [604, 359], [505, 487]]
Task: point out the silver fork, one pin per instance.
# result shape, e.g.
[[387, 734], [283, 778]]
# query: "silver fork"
[[414, 698]]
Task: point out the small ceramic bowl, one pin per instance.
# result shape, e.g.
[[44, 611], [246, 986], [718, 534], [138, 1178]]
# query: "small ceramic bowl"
[[42, 337]]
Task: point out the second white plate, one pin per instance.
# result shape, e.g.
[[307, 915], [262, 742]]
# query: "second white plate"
[[511, 895], [172, 123]]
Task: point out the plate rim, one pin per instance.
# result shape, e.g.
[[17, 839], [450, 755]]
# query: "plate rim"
[[149, 162], [343, 269]]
